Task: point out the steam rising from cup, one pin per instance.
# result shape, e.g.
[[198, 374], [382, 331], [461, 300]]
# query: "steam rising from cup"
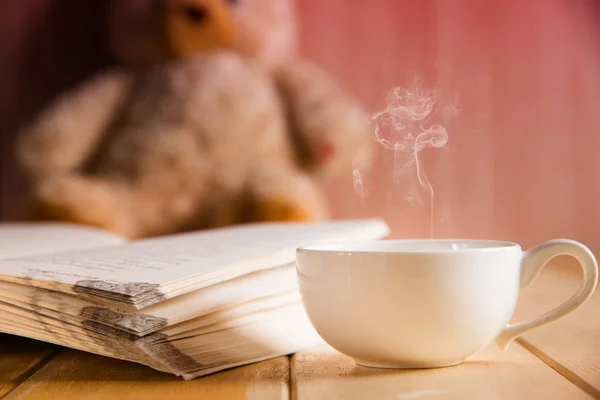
[[405, 127]]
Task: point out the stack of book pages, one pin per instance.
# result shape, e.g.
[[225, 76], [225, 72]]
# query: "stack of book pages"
[[189, 304]]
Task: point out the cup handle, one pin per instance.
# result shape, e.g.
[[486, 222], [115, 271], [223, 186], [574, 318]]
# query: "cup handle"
[[532, 262]]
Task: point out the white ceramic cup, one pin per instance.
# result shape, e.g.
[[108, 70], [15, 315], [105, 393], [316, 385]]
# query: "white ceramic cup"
[[426, 303]]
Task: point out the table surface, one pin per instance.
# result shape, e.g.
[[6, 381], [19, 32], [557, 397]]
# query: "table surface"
[[558, 361]]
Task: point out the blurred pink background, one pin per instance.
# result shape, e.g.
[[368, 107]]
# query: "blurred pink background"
[[521, 160], [520, 163]]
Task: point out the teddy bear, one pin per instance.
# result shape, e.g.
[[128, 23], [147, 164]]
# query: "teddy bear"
[[212, 118]]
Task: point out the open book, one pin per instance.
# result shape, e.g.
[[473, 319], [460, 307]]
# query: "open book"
[[189, 304]]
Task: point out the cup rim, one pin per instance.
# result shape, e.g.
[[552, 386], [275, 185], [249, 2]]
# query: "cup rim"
[[354, 247]]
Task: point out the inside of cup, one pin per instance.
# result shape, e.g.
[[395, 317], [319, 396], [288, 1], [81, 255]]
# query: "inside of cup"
[[411, 245]]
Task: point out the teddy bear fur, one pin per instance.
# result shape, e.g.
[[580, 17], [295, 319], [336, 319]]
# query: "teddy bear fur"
[[213, 119]]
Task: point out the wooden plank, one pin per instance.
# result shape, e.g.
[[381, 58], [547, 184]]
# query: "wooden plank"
[[79, 375], [570, 345], [323, 373], [19, 358]]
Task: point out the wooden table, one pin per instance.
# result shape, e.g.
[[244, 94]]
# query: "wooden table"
[[559, 361]]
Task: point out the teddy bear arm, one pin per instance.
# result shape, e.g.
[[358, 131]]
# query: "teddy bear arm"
[[65, 133], [331, 128]]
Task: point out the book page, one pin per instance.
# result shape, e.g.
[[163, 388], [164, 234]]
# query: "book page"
[[148, 265], [29, 239]]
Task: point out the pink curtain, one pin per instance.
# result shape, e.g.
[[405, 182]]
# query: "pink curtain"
[[521, 162]]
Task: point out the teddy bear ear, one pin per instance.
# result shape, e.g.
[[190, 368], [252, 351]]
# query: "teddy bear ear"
[[195, 25]]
